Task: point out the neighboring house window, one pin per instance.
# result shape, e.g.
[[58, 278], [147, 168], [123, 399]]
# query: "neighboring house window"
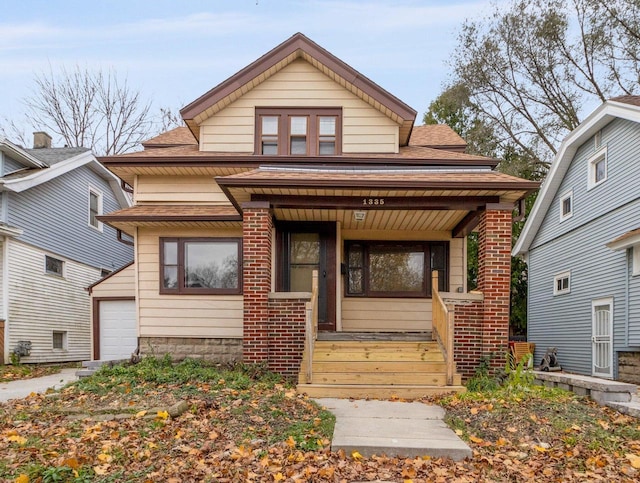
[[562, 283], [59, 340], [298, 131], [95, 208], [597, 169], [53, 266], [200, 265], [395, 269], [566, 206]]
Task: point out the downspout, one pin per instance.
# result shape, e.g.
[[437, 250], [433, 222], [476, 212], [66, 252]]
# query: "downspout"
[[629, 262]]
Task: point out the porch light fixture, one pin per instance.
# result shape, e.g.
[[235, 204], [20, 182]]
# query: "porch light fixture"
[[359, 215]]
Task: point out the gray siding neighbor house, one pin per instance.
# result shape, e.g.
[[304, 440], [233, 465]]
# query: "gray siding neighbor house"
[[582, 245], [52, 246]]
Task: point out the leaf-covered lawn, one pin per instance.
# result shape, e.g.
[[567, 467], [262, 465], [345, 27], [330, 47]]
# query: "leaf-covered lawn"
[[243, 425]]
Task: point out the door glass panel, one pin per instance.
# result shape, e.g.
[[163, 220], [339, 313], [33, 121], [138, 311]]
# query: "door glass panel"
[[304, 257]]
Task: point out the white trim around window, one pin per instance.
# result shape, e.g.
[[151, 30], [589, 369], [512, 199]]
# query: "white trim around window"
[[566, 206], [598, 168], [635, 260], [95, 208], [562, 283]]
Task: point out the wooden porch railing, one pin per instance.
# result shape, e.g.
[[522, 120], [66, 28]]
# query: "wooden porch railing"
[[311, 326], [443, 329]]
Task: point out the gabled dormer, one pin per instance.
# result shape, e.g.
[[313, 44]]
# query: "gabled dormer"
[[299, 100]]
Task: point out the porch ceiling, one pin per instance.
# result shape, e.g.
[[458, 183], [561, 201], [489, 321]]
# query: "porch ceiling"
[[418, 220]]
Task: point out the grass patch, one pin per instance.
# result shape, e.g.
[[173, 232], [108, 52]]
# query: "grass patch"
[[18, 372]]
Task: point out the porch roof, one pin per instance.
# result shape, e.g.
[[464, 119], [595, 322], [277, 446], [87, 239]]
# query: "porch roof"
[[433, 199], [173, 215]]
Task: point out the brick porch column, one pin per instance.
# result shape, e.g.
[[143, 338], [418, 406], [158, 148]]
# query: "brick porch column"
[[257, 224], [494, 280]]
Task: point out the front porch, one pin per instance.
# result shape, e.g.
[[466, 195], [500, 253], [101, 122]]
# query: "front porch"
[[376, 237]]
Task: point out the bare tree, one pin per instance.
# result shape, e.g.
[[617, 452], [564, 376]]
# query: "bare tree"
[[96, 110], [530, 68]]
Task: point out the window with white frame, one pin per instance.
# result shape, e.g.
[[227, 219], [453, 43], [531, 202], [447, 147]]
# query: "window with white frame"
[[635, 260], [95, 208], [53, 266], [598, 169], [562, 283], [59, 340], [566, 206]]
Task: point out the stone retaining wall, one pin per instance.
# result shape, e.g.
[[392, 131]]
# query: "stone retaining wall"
[[629, 367]]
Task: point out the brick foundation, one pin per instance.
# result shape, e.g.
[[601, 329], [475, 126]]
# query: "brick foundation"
[[212, 350]]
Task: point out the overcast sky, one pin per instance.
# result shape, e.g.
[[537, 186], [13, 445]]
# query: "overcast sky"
[[173, 51]]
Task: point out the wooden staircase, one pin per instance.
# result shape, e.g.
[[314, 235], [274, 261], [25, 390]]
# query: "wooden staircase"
[[379, 369]]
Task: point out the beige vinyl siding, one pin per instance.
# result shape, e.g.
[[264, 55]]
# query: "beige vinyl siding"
[[364, 129], [40, 304], [2, 281], [160, 315], [400, 314], [121, 284], [179, 190]]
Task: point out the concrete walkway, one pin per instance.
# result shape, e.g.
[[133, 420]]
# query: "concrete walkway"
[[24, 387], [393, 428]]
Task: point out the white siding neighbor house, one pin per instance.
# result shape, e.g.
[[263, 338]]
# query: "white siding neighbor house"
[[52, 246], [582, 244]]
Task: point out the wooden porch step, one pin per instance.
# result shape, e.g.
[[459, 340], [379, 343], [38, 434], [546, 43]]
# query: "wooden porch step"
[[375, 391], [377, 369], [386, 378]]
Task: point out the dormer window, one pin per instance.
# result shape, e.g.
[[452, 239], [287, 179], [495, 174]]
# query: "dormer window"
[[298, 131]]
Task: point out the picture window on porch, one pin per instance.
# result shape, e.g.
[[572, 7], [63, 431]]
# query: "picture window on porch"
[[395, 269], [298, 131], [200, 265]]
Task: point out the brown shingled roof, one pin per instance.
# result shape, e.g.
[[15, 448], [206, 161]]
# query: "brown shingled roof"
[[178, 154], [179, 136], [451, 179], [436, 136], [633, 100], [173, 213]]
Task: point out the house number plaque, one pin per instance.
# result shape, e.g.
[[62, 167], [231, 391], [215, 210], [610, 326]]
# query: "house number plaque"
[[372, 201]]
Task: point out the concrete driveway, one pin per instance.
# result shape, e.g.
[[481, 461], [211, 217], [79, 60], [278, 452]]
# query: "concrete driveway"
[[22, 388]]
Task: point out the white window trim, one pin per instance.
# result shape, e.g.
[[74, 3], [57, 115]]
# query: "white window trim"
[[597, 140], [561, 276], [52, 274], [591, 163], [635, 260], [98, 193], [568, 195], [65, 338]]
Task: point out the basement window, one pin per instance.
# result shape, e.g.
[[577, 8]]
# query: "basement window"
[[59, 340]]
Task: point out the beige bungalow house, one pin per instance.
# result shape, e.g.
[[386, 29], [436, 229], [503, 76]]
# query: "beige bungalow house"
[[299, 165]]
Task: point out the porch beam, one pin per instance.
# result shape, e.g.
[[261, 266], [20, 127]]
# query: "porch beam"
[[466, 225], [444, 203]]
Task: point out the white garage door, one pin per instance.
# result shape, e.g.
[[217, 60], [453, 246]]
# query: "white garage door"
[[118, 333]]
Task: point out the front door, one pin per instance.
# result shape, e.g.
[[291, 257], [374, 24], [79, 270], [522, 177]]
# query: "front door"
[[602, 338], [305, 247]]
